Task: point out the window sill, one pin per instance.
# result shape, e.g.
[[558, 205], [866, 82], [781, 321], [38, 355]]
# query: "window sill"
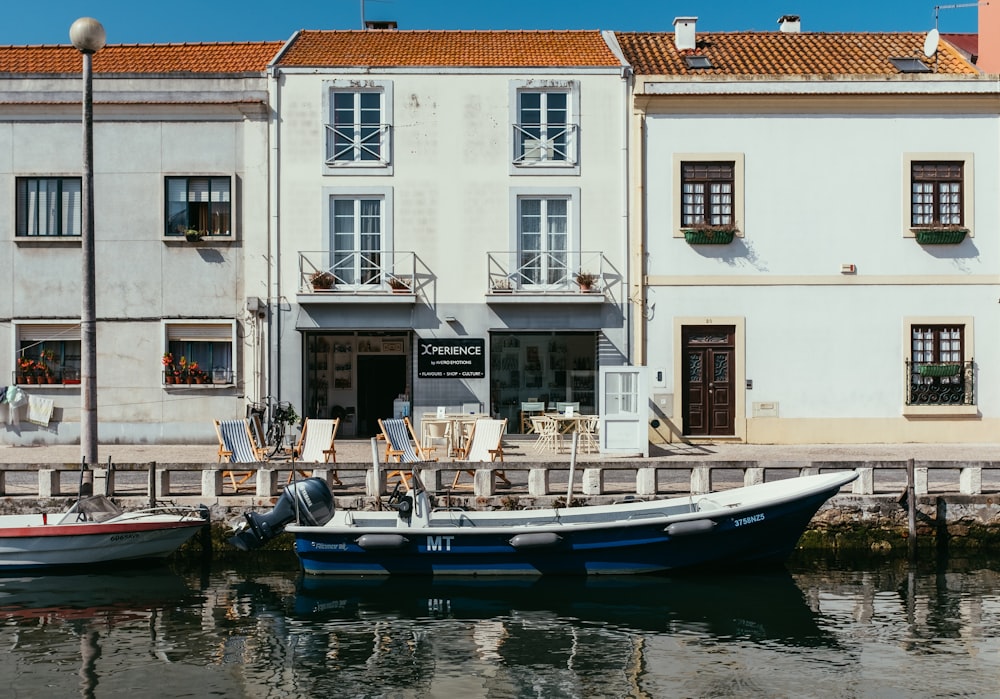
[[943, 411], [45, 241], [209, 240]]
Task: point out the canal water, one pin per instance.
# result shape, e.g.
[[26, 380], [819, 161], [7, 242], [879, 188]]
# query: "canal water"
[[819, 627]]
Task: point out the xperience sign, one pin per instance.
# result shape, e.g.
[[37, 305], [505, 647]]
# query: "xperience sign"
[[451, 359]]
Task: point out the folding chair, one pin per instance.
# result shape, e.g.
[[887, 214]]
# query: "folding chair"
[[485, 445], [236, 445], [549, 436], [402, 445], [316, 445]]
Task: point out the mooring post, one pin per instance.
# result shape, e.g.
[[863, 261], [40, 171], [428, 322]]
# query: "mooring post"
[[152, 484], [911, 508]]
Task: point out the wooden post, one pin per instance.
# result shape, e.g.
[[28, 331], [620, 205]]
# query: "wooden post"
[[911, 509]]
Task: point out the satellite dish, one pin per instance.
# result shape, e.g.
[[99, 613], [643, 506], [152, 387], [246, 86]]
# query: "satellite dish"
[[931, 43]]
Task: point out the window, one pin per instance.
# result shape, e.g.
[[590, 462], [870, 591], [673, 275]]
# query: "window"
[[936, 193], [48, 206], [356, 132], [707, 192], [201, 204], [199, 353], [356, 239], [543, 239], [48, 353], [938, 372], [545, 121]]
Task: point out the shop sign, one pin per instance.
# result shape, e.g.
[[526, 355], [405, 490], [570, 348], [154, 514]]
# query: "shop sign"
[[451, 359]]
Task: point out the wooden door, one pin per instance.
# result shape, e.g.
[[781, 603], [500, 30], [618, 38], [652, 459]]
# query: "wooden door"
[[709, 381]]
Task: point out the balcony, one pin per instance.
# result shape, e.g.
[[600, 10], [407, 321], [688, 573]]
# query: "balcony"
[[940, 383], [547, 277], [554, 144], [357, 144], [358, 276]]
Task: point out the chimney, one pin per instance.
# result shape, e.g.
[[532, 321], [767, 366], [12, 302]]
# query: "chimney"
[[989, 37], [790, 24], [684, 33]]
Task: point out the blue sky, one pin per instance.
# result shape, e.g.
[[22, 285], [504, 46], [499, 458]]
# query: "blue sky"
[[129, 22]]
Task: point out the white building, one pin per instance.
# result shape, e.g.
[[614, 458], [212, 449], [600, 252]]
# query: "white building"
[[477, 171], [180, 143], [857, 300]]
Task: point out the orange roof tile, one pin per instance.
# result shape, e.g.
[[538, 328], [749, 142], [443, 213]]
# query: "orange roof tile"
[[143, 58], [786, 53], [479, 49]]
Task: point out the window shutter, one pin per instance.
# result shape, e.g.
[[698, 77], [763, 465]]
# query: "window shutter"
[[198, 190], [48, 331], [181, 332]]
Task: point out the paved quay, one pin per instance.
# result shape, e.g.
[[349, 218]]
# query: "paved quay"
[[519, 448]]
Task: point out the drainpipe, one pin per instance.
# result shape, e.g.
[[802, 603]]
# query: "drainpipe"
[[272, 358]]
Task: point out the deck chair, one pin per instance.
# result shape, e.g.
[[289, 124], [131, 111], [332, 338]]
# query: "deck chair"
[[236, 445], [402, 445], [316, 445], [485, 445]]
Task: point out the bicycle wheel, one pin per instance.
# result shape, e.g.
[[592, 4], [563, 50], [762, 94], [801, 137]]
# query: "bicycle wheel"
[[276, 437]]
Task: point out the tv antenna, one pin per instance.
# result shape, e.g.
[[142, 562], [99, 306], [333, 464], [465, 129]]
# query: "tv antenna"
[[937, 8]]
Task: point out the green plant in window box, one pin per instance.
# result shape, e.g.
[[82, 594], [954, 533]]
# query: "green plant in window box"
[[939, 369], [940, 235], [704, 234], [192, 235]]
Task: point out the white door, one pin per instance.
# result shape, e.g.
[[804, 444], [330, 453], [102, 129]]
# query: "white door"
[[623, 410]]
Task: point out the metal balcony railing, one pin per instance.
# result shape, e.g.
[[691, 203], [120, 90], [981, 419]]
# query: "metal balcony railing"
[[358, 272], [357, 143], [940, 383], [533, 272], [553, 144]]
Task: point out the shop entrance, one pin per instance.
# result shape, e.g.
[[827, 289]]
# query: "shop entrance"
[[383, 379]]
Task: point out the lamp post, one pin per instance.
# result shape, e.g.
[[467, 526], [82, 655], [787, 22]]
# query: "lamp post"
[[87, 35]]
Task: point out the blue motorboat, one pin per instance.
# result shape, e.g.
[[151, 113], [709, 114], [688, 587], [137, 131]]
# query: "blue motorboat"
[[735, 528]]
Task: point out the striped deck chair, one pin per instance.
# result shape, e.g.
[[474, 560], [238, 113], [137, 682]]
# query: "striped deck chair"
[[485, 445], [316, 445], [236, 445], [402, 445]]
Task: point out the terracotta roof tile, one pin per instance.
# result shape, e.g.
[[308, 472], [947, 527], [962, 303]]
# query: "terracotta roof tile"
[[786, 53], [479, 49], [143, 58]]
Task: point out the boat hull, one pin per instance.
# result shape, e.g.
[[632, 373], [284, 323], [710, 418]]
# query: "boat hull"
[[763, 530], [40, 546]]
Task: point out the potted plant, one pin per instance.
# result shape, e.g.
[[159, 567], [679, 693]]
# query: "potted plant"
[[26, 369], [940, 235], [586, 280], [707, 234], [322, 280], [399, 285], [502, 285], [168, 367], [192, 235], [45, 374]]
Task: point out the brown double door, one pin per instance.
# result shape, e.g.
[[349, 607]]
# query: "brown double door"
[[709, 388]]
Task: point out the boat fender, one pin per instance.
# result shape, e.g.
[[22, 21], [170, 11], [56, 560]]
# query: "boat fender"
[[697, 526], [535, 541], [382, 541]]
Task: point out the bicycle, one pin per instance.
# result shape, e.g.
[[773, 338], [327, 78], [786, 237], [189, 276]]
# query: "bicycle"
[[279, 415]]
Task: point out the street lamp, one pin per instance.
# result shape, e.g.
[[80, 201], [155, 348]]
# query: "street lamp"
[[88, 37]]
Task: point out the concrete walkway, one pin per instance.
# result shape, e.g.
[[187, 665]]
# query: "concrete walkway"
[[521, 448]]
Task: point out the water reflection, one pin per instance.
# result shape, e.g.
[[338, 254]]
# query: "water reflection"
[[823, 627]]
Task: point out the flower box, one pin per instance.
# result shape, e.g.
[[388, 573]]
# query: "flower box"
[[940, 236], [939, 369], [709, 236]]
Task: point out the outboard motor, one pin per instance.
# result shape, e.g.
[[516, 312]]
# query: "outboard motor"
[[310, 499]]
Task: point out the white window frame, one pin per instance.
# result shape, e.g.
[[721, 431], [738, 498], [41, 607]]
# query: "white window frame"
[[54, 330], [384, 165], [570, 166], [385, 194], [230, 234], [573, 250], [27, 234], [221, 330], [968, 188], [968, 352], [737, 159]]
